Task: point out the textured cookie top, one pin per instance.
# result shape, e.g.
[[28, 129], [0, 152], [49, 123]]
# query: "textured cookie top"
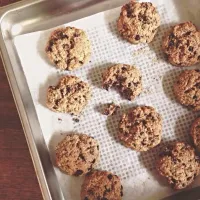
[[68, 48], [187, 89], [101, 185], [71, 95], [125, 78], [138, 22], [182, 45], [195, 133], [179, 165], [77, 154], [141, 128]]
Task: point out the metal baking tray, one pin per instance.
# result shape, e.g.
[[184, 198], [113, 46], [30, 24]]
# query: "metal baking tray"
[[35, 15]]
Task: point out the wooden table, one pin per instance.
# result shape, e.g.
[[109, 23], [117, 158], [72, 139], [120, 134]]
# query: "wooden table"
[[17, 176]]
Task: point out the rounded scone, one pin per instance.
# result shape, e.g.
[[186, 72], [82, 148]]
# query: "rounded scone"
[[71, 95], [77, 154], [187, 89], [182, 45], [179, 165], [101, 185], [138, 22], [125, 78], [195, 133], [68, 48], [141, 128]]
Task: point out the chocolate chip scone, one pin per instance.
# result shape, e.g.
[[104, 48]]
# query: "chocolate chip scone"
[[101, 185], [138, 22], [187, 89], [182, 45], [125, 78], [195, 133], [179, 165], [71, 95], [140, 129], [77, 154], [68, 48]]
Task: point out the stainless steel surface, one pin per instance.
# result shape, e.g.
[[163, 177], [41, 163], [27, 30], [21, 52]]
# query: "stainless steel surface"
[[29, 16]]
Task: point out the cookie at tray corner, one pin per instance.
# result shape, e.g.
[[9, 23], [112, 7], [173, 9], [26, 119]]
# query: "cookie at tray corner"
[[179, 164], [77, 154], [141, 128], [195, 133], [187, 89], [101, 185], [182, 45], [68, 48], [138, 22], [70, 95], [126, 79]]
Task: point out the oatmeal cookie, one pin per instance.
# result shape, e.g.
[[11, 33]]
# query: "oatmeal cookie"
[[111, 109], [179, 165], [77, 154], [101, 185], [138, 22], [141, 128], [182, 45], [71, 95], [125, 78], [68, 48], [187, 89], [195, 133]]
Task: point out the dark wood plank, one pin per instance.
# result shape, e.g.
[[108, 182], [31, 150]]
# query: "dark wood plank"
[[17, 176]]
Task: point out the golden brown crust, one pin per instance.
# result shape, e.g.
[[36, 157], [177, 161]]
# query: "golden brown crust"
[[179, 165], [187, 89], [68, 48], [141, 128], [182, 45], [138, 22], [195, 133], [101, 185]]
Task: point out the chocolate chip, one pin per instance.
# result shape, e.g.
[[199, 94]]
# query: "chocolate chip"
[[68, 89], [94, 161], [195, 97], [198, 58], [56, 102], [137, 37], [128, 10], [82, 157], [191, 48], [109, 176], [56, 62], [91, 192], [78, 173], [171, 43], [81, 62], [98, 147]]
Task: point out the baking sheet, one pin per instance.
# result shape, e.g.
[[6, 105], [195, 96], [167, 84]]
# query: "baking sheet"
[[136, 170]]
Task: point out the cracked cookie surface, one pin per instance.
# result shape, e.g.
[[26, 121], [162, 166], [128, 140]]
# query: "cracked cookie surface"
[[195, 133], [68, 48], [77, 154], [71, 95], [141, 128], [125, 78], [138, 22], [179, 165], [101, 185], [182, 45], [187, 89]]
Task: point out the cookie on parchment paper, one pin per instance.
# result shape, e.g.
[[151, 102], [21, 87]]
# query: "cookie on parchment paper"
[[71, 95], [68, 48], [138, 22], [141, 128], [179, 165], [187, 89], [101, 185], [182, 45], [195, 133], [125, 78], [77, 154]]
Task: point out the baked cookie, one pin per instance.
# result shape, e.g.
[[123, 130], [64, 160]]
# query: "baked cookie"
[[179, 165], [101, 185], [182, 45], [138, 22], [141, 128], [77, 154], [111, 109], [187, 89], [71, 95], [68, 48], [195, 133], [125, 78]]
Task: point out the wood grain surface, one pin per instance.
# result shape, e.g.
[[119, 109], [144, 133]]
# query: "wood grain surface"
[[17, 176]]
